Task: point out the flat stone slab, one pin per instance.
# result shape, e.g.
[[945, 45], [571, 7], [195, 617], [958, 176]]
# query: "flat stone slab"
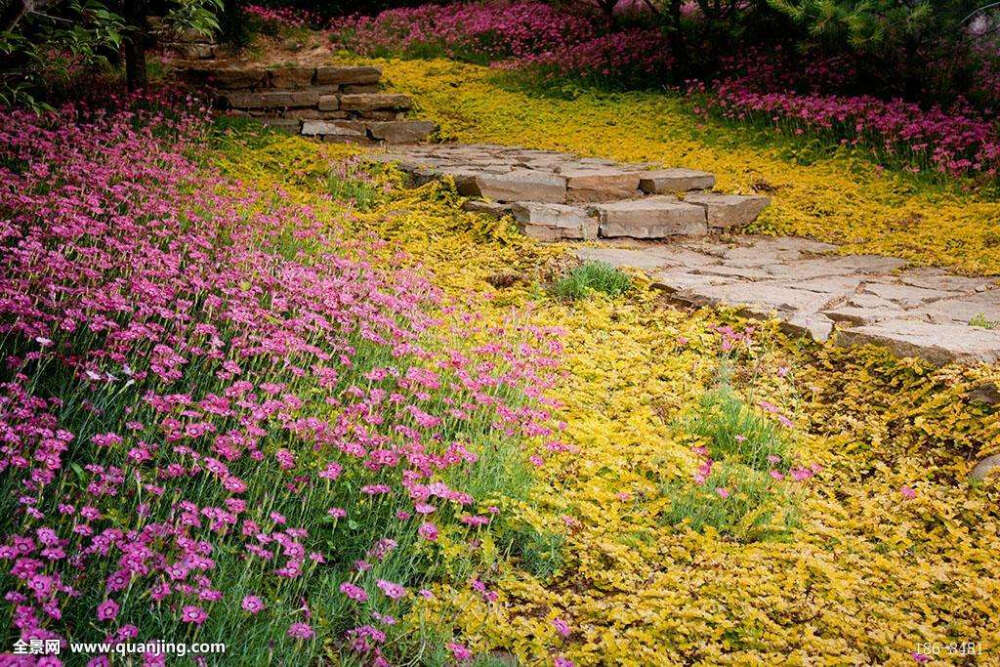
[[728, 210], [670, 181], [936, 343], [375, 101], [554, 222], [598, 183], [519, 185], [651, 218], [857, 299], [401, 131]]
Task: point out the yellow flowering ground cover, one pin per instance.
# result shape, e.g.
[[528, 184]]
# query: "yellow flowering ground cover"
[[844, 199], [871, 546]]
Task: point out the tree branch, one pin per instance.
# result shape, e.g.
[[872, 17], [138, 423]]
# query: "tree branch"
[[12, 13]]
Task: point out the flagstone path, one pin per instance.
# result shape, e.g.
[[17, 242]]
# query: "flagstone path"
[[669, 224]]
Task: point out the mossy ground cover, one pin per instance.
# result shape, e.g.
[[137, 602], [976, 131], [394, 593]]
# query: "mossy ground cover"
[[650, 535]]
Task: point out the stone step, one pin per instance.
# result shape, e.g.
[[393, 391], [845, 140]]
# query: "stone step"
[[656, 217], [670, 181], [375, 102], [599, 183], [555, 222], [382, 106], [724, 211], [278, 99], [349, 79], [369, 131]]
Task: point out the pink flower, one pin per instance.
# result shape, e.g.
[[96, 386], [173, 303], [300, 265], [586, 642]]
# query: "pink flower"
[[428, 531], [301, 631], [908, 492], [561, 627], [459, 653], [107, 610], [193, 614], [392, 590], [722, 491], [356, 593], [252, 604]]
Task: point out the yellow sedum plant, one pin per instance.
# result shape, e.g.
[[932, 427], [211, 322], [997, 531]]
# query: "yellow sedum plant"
[[892, 549]]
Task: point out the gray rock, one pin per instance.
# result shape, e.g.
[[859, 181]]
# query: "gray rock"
[[520, 185], [401, 131], [553, 222], [307, 97], [986, 394], [907, 296], [856, 316], [763, 298], [835, 266], [986, 467], [761, 251], [597, 184], [328, 103], [491, 208], [334, 128], [682, 284], [942, 280], [292, 77], [375, 101], [936, 343], [290, 125], [651, 218], [817, 326], [669, 181], [726, 211], [962, 309]]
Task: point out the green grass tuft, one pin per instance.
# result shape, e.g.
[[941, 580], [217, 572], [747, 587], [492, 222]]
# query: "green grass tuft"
[[735, 432], [756, 507], [592, 276]]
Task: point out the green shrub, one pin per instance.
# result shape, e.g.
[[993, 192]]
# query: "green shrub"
[[596, 276], [736, 501], [540, 552], [737, 433], [364, 194]]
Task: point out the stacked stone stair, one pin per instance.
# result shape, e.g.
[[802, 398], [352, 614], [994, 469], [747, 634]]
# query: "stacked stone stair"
[[331, 102], [557, 196]]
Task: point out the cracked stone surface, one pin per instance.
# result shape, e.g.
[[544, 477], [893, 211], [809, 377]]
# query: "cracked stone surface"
[[852, 299], [629, 200]]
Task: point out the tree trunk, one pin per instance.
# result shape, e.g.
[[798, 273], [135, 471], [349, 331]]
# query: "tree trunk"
[[678, 45], [135, 64], [135, 43]]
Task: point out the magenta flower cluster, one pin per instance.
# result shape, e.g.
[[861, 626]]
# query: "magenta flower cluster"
[[955, 142], [488, 32], [201, 423], [283, 16]]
